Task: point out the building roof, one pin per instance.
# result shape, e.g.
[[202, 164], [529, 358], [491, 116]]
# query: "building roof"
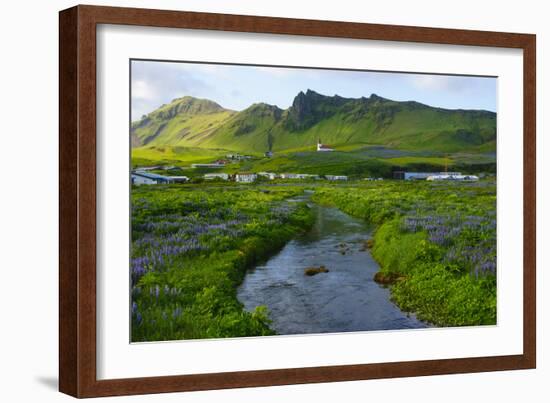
[[430, 173], [150, 175]]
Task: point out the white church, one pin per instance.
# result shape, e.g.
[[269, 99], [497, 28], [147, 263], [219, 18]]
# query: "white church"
[[322, 147]]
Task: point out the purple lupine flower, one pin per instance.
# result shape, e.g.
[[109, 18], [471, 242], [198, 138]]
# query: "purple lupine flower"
[[177, 312]]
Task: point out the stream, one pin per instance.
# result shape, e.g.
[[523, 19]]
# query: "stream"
[[342, 300]]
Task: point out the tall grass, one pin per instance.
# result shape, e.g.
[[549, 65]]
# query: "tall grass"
[[437, 239], [191, 247]]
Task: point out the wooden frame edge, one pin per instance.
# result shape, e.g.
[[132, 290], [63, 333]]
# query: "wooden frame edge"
[[529, 201], [68, 200], [77, 129]]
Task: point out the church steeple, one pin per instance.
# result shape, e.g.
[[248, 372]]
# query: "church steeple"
[[321, 147]]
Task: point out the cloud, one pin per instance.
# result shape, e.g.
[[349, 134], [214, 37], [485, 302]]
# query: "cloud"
[[142, 90], [154, 84], [440, 83]]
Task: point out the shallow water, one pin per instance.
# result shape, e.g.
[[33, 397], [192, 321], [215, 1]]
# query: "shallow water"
[[342, 300]]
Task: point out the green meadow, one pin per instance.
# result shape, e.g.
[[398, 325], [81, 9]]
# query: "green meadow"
[[193, 244], [435, 243], [357, 161]]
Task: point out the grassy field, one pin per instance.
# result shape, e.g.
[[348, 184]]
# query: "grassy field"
[[357, 161], [169, 155], [192, 244], [190, 249], [435, 243]]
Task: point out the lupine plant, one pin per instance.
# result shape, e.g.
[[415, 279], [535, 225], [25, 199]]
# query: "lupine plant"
[[191, 246], [437, 238]]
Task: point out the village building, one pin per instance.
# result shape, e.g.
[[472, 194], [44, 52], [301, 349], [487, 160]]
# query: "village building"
[[220, 176], [323, 147], [146, 178], [447, 177], [420, 175], [299, 176], [336, 177], [179, 179], [238, 157], [269, 175], [245, 177]]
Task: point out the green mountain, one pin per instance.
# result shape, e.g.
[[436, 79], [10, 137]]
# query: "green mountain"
[[181, 121], [337, 121]]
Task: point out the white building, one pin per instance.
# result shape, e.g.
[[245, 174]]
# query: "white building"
[[245, 177], [269, 175], [447, 177], [146, 178], [299, 176], [221, 176], [336, 177], [238, 157], [422, 175], [323, 147], [179, 179]]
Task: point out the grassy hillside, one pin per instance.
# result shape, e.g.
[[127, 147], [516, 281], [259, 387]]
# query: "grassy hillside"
[[252, 130], [337, 121], [151, 155], [184, 122]]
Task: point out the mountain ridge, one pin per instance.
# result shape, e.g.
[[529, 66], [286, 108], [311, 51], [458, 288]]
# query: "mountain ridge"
[[202, 123]]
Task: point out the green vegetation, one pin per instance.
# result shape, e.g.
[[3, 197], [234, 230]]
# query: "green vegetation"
[[436, 242], [371, 136], [360, 162], [366, 161], [191, 246], [183, 122], [168, 155], [191, 122]]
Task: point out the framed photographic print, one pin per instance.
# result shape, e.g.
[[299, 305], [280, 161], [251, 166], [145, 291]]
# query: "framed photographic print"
[[255, 201]]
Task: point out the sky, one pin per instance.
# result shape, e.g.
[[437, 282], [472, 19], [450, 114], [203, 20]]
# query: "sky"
[[237, 87]]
